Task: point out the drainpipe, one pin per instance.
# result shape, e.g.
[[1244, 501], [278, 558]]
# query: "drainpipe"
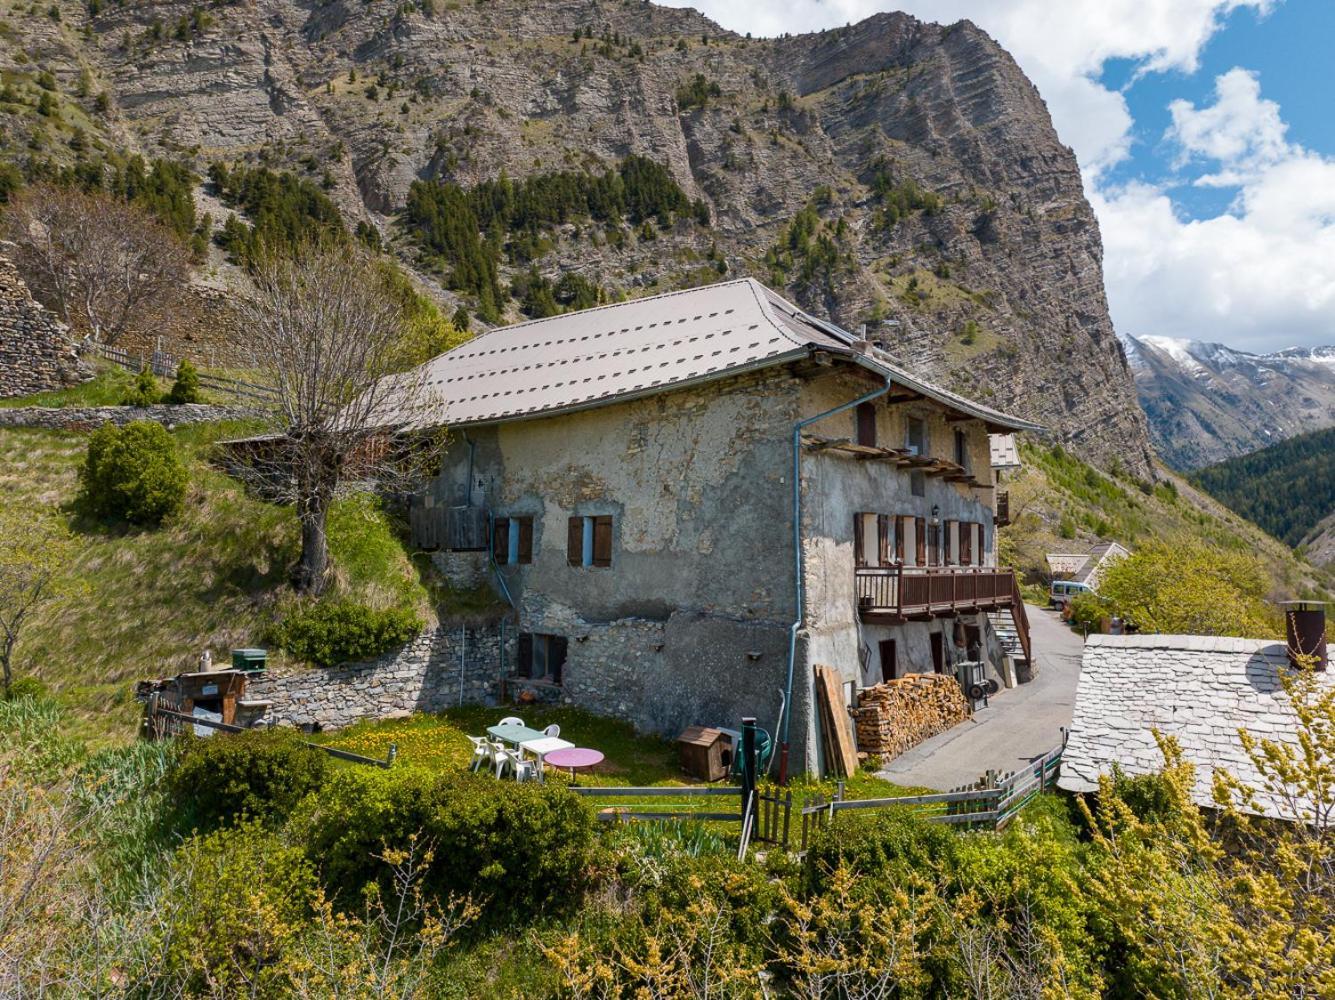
[[797, 560]]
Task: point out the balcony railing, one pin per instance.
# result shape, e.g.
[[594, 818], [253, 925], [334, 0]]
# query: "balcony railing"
[[908, 591]]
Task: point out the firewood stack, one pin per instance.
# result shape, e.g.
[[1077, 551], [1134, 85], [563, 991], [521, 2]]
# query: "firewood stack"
[[893, 716]]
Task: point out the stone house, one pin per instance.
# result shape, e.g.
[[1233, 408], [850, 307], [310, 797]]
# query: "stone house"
[[691, 499]]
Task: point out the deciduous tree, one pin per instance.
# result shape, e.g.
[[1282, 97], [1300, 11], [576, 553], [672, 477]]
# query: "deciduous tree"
[[35, 551]]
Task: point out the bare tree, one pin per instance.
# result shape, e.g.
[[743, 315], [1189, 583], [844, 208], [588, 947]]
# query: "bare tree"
[[328, 333], [35, 553], [106, 267]]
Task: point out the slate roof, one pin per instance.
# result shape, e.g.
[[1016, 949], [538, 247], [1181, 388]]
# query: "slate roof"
[[1200, 689], [596, 356], [1100, 557]]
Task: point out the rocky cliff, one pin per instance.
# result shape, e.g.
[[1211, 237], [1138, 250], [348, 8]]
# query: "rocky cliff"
[[958, 230], [1208, 402]]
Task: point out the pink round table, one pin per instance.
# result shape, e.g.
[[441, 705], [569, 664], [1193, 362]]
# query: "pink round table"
[[574, 759]]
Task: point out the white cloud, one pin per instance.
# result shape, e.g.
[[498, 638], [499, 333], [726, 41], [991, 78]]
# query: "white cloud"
[[1241, 130], [1259, 276]]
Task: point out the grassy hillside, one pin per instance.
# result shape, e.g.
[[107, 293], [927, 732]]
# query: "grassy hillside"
[[1287, 488], [151, 600], [1061, 504]]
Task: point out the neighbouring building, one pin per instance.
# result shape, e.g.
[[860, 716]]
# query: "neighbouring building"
[[692, 499], [1201, 690], [1086, 567]]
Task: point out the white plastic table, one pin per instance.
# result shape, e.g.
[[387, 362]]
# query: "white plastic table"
[[540, 748]]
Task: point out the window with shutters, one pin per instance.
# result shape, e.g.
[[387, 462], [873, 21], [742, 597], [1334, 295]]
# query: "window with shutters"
[[966, 543], [885, 536], [934, 545], [920, 541], [542, 657], [866, 539], [866, 424], [952, 543], [512, 541], [589, 542]]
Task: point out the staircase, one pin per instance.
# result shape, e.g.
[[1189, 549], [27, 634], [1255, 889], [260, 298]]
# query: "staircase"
[[1013, 634]]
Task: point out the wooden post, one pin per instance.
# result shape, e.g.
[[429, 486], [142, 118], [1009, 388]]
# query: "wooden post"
[[748, 765]]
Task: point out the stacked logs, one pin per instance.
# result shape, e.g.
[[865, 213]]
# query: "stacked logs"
[[893, 716]]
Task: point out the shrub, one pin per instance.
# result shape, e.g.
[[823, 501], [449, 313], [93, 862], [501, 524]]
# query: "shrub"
[[1089, 610], [890, 845], [515, 847], [333, 632], [186, 387], [144, 392], [26, 687], [261, 774], [133, 473]]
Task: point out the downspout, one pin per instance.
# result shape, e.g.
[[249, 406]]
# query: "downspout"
[[797, 561], [491, 558]]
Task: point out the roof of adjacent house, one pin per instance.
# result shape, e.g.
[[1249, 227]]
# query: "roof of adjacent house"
[[1099, 555], [1199, 689], [596, 356]]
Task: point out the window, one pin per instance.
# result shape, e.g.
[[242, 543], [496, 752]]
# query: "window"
[[589, 542], [934, 545], [866, 539], [512, 541], [966, 543], [885, 537], [920, 541], [866, 424], [542, 657], [952, 543], [962, 449], [915, 439]]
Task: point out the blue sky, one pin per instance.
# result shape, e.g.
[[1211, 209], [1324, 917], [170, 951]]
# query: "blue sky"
[[1205, 131]]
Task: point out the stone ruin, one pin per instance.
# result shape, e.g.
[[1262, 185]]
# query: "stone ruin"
[[36, 351]]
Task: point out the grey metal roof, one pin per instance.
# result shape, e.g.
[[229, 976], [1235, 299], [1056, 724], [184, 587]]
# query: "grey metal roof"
[[595, 356], [1200, 689]]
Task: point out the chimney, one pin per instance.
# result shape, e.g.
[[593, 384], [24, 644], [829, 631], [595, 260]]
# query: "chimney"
[[1305, 631]]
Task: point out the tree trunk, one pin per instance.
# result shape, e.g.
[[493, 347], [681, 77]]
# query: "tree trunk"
[[312, 569]]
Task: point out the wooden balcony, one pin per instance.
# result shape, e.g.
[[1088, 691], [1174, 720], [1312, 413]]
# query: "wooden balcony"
[[900, 593]]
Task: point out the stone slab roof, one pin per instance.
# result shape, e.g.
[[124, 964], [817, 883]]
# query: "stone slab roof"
[[1200, 689], [596, 356]]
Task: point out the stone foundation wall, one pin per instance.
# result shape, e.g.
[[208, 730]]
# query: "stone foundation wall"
[[441, 668], [36, 353], [86, 417]]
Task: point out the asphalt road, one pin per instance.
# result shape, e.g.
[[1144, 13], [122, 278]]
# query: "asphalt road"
[[1020, 724]]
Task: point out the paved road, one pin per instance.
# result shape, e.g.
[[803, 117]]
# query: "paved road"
[[1020, 724]]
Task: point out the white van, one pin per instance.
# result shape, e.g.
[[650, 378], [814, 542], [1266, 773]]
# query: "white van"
[[1063, 590]]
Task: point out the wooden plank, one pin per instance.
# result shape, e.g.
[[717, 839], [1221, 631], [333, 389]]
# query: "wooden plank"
[[610, 791], [977, 794], [615, 813], [840, 723]]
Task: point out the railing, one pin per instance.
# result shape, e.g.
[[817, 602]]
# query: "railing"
[[990, 803], [911, 590], [165, 365]]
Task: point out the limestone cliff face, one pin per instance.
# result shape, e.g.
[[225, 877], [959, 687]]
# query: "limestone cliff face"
[[995, 288]]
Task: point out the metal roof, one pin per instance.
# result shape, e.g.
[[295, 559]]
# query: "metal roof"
[[596, 356]]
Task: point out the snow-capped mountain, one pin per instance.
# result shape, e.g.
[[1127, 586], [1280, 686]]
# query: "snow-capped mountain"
[[1208, 402]]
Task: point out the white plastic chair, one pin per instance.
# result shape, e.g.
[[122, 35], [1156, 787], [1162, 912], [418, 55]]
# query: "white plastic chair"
[[511, 720], [552, 730], [481, 752], [525, 770], [499, 760]]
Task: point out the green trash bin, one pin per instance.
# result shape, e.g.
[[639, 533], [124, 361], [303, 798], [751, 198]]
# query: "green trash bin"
[[252, 661]]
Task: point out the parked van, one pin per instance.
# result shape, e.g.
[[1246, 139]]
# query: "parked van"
[[1063, 590]]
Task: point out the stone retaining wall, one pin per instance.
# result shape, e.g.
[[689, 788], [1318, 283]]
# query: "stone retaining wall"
[[85, 417], [36, 353], [444, 667]]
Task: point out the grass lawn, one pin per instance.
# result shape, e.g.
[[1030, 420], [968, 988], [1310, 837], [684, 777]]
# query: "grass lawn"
[[440, 743], [151, 600]]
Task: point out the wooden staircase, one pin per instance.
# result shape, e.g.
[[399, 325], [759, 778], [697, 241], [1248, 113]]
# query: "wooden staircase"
[[1011, 624]]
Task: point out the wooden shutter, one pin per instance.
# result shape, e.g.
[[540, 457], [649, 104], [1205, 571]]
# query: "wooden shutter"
[[934, 546], [859, 559], [899, 538], [883, 538], [920, 539], [575, 542], [866, 414], [500, 540], [525, 665], [526, 539], [602, 540]]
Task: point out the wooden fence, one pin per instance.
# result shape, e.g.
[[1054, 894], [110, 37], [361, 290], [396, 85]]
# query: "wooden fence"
[[991, 802], [162, 723], [164, 365]]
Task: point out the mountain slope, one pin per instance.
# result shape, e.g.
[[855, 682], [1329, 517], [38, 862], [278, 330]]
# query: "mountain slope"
[[948, 217], [1207, 402], [1319, 545], [1287, 489]]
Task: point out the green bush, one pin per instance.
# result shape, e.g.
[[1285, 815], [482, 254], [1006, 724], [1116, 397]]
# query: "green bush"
[[518, 848], [186, 387], [133, 473], [1089, 610], [334, 632], [261, 774], [891, 845], [144, 392], [26, 687]]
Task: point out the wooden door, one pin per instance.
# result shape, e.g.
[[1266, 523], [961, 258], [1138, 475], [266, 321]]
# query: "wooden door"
[[938, 653], [889, 659]]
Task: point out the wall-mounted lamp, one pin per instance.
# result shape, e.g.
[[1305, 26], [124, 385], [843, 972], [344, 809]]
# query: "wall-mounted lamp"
[[936, 513], [754, 654]]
